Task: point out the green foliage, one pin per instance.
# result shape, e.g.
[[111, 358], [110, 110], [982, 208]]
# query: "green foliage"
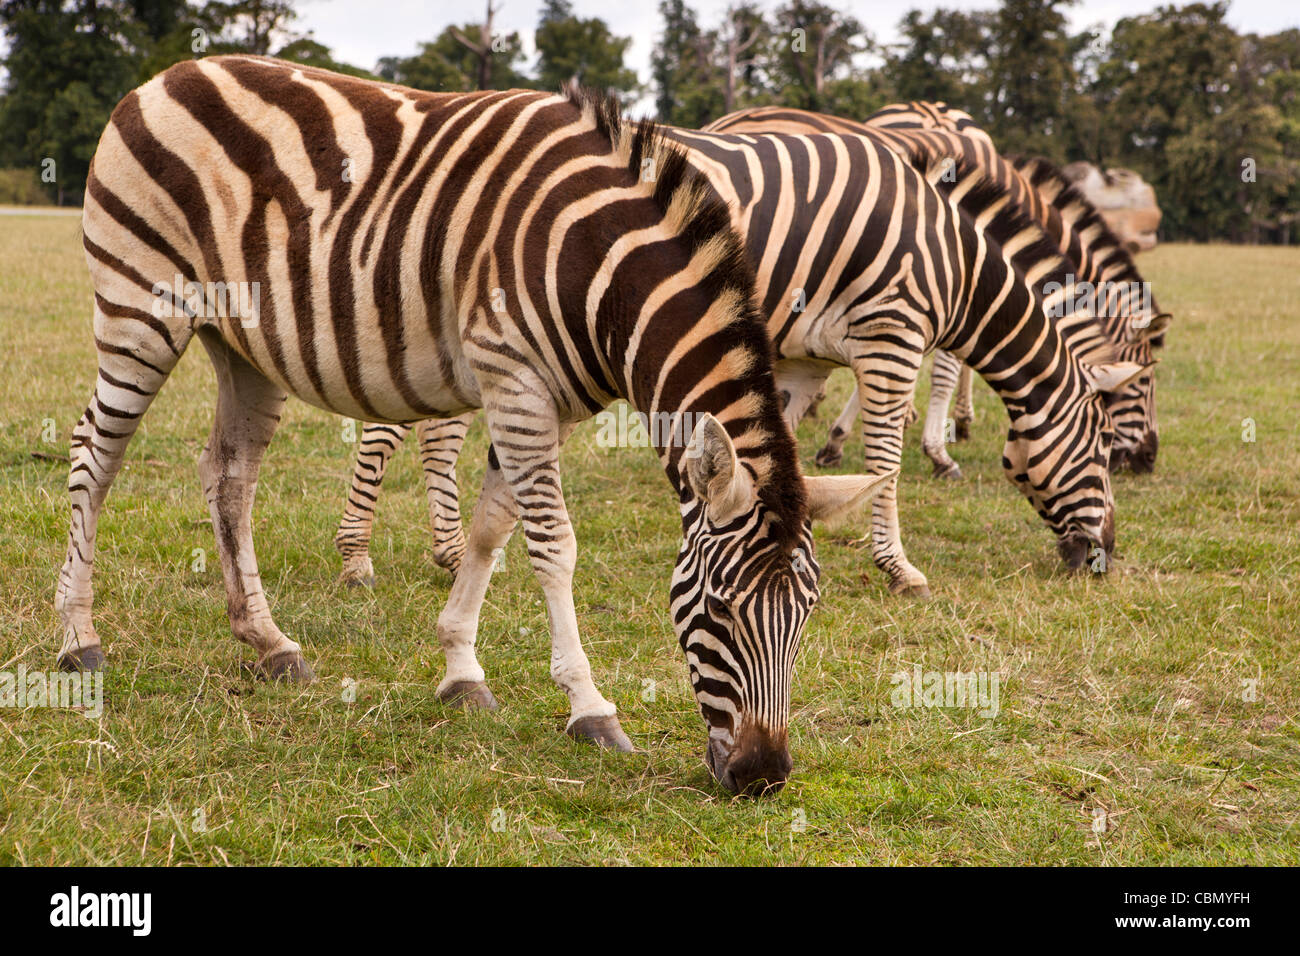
[[447, 65], [1030, 78], [21, 187], [582, 49], [943, 57], [812, 46], [681, 69], [66, 70]]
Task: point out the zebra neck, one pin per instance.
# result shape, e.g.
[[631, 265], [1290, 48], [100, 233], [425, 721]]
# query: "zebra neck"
[[671, 395], [1027, 360]]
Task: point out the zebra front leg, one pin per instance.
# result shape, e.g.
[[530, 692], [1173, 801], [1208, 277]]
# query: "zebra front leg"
[[964, 414], [134, 361], [527, 434], [494, 519], [352, 540], [832, 453], [248, 411], [441, 440], [934, 439], [885, 389]]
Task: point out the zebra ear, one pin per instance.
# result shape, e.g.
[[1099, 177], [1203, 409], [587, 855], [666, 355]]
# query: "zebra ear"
[[712, 470], [1114, 375], [831, 497], [1142, 330]]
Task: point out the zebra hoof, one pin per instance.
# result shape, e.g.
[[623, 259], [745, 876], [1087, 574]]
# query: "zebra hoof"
[[469, 695], [963, 430], [829, 457], [88, 659], [358, 574], [950, 472], [918, 592], [604, 732], [288, 666]]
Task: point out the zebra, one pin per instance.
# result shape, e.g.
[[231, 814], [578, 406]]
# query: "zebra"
[[899, 260], [383, 296], [933, 135]]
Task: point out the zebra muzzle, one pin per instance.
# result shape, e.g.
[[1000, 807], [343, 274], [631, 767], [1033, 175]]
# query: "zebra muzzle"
[[758, 765]]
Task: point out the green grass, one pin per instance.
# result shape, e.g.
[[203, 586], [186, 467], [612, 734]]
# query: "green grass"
[[1122, 695]]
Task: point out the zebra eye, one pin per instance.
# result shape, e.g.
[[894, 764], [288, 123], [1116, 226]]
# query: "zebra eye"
[[717, 607]]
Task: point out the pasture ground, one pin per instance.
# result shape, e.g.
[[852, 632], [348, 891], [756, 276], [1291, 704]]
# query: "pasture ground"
[[1123, 699]]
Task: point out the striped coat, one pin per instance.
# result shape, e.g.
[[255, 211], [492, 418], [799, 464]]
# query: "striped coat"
[[932, 136], [400, 255], [901, 266]]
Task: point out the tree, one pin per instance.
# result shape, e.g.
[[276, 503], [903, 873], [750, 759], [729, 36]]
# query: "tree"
[[815, 46], [68, 66], [943, 57], [253, 26], [483, 48], [571, 48], [447, 65], [680, 70], [1031, 77], [742, 28]]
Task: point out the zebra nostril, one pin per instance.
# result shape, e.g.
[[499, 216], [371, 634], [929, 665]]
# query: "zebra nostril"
[[759, 765], [1073, 548]]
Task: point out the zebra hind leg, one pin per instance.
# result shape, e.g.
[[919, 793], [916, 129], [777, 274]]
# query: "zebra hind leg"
[[352, 540], [441, 440], [884, 392], [832, 453], [134, 361], [934, 440], [964, 413], [248, 411]]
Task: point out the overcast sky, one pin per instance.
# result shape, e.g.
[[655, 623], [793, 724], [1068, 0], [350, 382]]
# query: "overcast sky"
[[361, 31]]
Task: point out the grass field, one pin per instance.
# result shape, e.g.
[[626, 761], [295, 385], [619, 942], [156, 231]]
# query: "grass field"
[[1123, 706]]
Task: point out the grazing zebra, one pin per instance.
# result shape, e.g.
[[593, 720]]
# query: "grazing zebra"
[[420, 255], [933, 136], [903, 267]]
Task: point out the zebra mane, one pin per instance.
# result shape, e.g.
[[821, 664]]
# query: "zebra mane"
[[1007, 227], [1043, 173], [703, 221]]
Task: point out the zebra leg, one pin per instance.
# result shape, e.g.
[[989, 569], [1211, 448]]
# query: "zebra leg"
[[133, 364], [527, 436], [248, 412], [441, 440], [494, 519], [884, 390], [802, 385], [964, 414], [832, 453], [934, 439], [352, 540]]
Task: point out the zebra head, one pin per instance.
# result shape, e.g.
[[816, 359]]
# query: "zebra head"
[[742, 591], [1132, 407], [1062, 465]]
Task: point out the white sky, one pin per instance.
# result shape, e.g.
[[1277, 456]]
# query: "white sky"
[[361, 31]]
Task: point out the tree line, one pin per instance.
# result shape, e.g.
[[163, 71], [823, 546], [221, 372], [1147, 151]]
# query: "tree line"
[[1208, 116]]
